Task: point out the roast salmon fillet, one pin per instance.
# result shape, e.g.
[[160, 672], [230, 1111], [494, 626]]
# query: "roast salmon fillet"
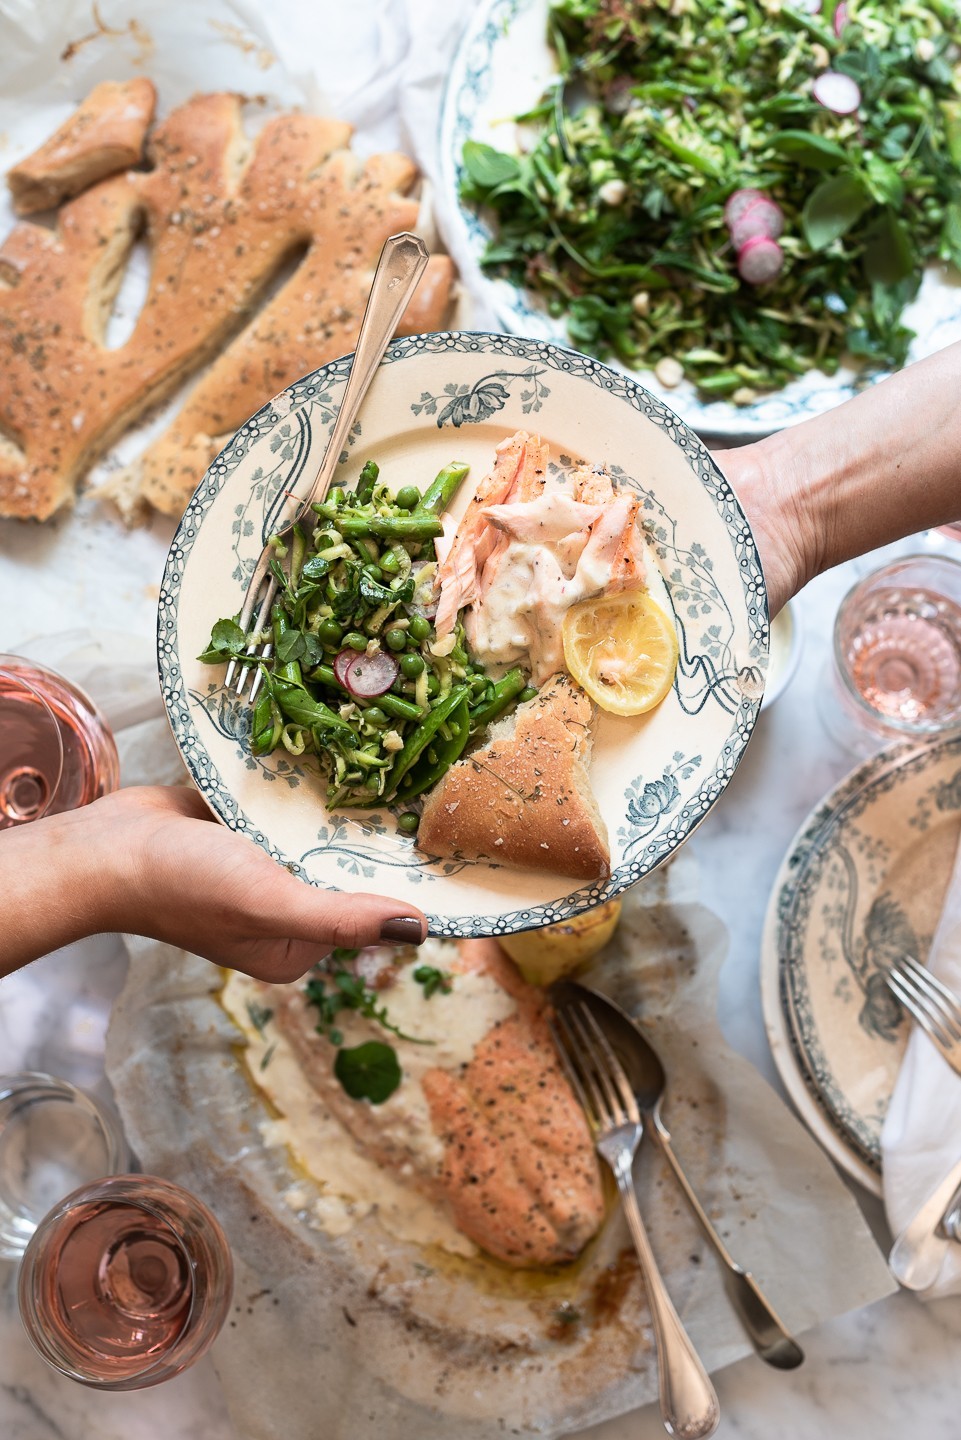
[[498, 1138]]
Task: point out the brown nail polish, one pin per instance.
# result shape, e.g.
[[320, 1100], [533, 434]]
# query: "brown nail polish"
[[405, 930]]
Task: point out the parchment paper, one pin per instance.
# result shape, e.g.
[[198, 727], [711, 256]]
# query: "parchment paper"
[[192, 1114]]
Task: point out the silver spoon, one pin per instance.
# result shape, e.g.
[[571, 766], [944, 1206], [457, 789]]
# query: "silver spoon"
[[764, 1329]]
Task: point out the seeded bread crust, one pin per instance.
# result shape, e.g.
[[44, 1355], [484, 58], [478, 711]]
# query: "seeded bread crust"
[[525, 797], [102, 137]]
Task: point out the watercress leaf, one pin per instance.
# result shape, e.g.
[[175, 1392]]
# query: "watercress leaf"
[[884, 182], [315, 569], [888, 252], [817, 152], [368, 1072], [226, 638], [832, 209], [488, 167], [291, 646]]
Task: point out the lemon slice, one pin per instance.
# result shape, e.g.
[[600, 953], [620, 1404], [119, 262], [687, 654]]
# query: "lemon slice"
[[621, 649]]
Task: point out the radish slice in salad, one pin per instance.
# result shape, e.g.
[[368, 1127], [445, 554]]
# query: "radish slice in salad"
[[366, 675], [836, 92], [760, 260], [740, 201], [763, 218], [840, 18]]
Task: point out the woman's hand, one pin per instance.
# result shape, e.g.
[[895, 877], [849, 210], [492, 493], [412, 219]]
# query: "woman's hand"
[[153, 861]]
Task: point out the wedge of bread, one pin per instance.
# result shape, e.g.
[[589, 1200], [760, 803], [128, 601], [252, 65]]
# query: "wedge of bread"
[[105, 135], [525, 797]]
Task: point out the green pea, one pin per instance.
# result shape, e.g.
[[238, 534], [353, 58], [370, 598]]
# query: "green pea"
[[412, 665], [408, 822], [390, 562], [419, 627], [330, 633], [478, 683], [374, 715], [395, 639], [372, 782], [407, 497], [433, 685], [374, 572], [355, 641], [527, 693]]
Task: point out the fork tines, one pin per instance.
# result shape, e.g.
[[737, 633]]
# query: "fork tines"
[[936, 1008], [596, 1075]]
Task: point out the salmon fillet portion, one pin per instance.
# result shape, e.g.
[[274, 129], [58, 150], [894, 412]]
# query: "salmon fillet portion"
[[494, 1134]]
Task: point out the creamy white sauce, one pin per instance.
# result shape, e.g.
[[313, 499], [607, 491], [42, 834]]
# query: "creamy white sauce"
[[352, 1184]]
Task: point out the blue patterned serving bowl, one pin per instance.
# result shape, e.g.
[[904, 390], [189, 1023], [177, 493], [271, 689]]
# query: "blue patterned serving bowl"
[[454, 396]]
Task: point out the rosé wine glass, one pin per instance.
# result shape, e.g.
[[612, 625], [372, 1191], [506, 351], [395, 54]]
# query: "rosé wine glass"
[[56, 750], [126, 1283], [896, 670]]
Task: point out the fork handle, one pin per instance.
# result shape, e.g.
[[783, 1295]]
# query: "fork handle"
[[689, 1405], [399, 268]]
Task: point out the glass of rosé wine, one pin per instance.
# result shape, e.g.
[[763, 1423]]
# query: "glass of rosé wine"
[[126, 1283], [57, 751], [895, 671]]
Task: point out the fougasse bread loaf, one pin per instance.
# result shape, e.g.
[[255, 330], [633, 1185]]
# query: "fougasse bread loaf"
[[222, 218], [525, 798], [103, 136]]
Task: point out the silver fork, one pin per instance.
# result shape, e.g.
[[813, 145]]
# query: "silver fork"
[[399, 268], [934, 1007], [689, 1405]]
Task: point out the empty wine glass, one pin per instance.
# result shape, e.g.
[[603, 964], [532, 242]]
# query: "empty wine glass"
[[53, 1137], [126, 1283]]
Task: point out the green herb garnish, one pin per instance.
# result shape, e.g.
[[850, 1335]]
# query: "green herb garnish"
[[260, 1016], [614, 215], [368, 1072], [433, 980]]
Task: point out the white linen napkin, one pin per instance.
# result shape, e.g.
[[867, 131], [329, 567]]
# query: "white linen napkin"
[[921, 1137]]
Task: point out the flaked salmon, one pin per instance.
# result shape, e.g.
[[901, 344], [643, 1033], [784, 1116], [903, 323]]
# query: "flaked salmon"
[[484, 1121], [528, 548]]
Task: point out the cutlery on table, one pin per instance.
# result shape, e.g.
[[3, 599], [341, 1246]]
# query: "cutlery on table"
[[935, 1008], [689, 1405], [767, 1333], [918, 1252], [399, 268]]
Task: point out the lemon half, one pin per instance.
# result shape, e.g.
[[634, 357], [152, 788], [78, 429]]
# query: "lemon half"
[[543, 956], [621, 649]]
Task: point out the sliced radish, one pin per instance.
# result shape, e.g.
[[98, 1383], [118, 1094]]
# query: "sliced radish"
[[840, 18], [366, 675], [740, 201], [836, 92], [761, 218], [760, 260]]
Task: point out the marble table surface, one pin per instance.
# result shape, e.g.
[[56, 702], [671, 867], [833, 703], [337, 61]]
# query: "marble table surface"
[[885, 1371]]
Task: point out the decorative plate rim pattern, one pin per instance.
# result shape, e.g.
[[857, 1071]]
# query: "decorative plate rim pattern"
[[177, 699], [784, 991], [468, 83]]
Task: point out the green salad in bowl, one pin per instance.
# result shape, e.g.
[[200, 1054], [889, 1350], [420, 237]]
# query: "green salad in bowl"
[[732, 192]]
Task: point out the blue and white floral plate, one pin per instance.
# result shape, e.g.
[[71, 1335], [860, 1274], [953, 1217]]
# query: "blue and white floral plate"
[[502, 67], [862, 884], [437, 398]]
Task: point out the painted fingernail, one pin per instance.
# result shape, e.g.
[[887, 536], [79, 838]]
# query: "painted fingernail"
[[405, 930]]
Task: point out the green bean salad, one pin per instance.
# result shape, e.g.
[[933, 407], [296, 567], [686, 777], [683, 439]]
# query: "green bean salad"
[[357, 677], [734, 192]]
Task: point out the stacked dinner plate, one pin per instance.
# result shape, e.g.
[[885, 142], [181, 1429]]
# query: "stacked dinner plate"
[[861, 885]]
